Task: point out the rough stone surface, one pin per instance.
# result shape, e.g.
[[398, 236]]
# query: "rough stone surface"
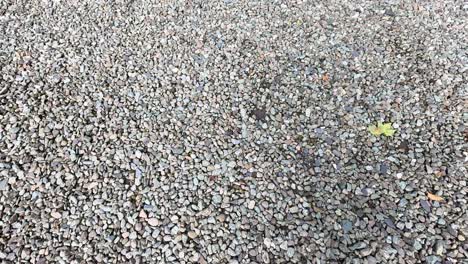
[[232, 131]]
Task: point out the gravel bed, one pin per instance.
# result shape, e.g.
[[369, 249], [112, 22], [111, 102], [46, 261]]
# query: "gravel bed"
[[233, 131]]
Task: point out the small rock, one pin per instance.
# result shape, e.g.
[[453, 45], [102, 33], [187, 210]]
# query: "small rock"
[[389, 12], [153, 222], [452, 231], [389, 252], [383, 168], [403, 202], [221, 218], [389, 222], [93, 185], [56, 215], [259, 113], [265, 257], [366, 251], [433, 260], [155, 233], [148, 207], [231, 252], [284, 245], [267, 242], [409, 225], [347, 226], [175, 230], [417, 245], [358, 245], [3, 185], [439, 248], [217, 198], [367, 191], [251, 205], [11, 180], [192, 234], [371, 260], [294, 210], [195, 257], [143, 214], [253, 252], [425, 205]]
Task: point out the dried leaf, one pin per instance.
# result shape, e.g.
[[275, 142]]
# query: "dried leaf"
[[434, 197], [325, 77], [375, 130]]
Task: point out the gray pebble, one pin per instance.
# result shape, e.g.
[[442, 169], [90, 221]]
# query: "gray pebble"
[[433, 259], [425, 205], [217, 198], [3, 184], [347, 226]]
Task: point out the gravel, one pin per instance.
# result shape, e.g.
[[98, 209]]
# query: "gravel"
[[232, 131]]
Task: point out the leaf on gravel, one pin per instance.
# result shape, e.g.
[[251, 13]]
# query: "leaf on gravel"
[[326, 77], [382, 129], [434, 197], [387, 129], [375, 130]]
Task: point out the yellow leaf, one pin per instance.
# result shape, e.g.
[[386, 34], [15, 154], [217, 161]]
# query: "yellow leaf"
[[387, 129], [375, 130], [434, 197]]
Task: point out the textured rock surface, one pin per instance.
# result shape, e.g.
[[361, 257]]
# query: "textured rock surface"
[[232, 131]]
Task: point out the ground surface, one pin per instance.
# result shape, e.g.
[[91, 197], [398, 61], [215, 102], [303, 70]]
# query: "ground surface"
[[232, 131]]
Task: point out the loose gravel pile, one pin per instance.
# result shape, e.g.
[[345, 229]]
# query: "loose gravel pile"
[[233, 131]]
